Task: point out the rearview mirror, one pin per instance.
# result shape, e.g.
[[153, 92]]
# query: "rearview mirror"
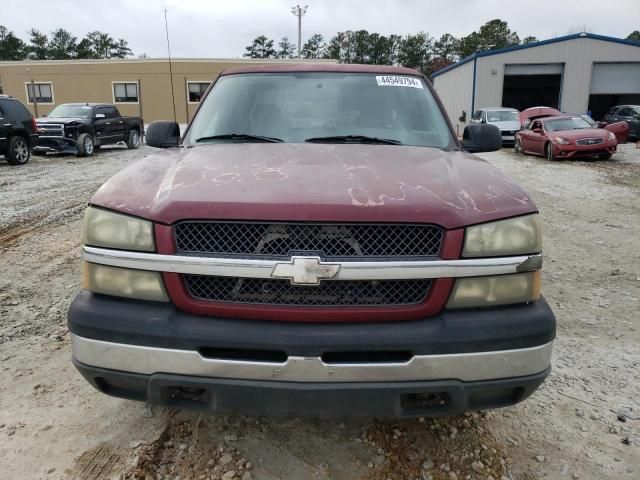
[[481, 137], [100, 115], [163, 134]]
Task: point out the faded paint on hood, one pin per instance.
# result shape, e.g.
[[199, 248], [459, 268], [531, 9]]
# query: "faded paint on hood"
[[314, 182]]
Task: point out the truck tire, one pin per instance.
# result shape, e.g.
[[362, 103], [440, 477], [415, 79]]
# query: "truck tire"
[[134, 139], [18, 152], [86, 145]]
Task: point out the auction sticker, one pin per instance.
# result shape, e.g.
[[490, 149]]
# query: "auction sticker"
[[398, 81]]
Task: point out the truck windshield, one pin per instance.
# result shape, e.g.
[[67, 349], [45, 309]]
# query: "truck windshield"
[[321, 107], [71, 111]]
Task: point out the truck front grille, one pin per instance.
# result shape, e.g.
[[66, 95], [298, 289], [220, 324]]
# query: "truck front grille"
[[50, 129], [328, 294], [330, 241]]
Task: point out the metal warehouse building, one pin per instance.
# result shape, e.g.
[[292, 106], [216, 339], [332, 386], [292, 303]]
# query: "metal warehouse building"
[[144, 87], [578, 73]]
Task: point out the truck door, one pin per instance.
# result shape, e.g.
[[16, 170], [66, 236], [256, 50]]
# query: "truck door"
[[117, 124], [101, 126]]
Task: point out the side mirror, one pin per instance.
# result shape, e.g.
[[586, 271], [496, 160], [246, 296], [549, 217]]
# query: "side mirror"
[[44, 115], [481, 137], [100, 115], [537, 130], [163, 134]]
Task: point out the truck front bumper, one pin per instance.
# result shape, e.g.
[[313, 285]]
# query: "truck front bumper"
[[442, 365], [56, 145]]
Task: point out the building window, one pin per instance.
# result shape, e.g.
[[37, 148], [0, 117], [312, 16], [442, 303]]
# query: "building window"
[[41, 92], [196, 90], [125, 92]]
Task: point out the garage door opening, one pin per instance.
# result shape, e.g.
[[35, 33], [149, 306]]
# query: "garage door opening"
[[599, 105], [613, 84], [525, 91]]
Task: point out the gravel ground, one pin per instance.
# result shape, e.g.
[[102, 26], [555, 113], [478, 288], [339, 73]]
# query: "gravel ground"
[[583, 423]]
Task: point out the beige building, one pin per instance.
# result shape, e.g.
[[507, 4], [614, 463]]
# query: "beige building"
[[136, 86]]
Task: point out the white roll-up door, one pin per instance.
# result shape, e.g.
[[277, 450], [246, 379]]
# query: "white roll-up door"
[[615, 78]]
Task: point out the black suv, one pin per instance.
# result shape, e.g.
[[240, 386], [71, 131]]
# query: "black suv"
[[17, 131]]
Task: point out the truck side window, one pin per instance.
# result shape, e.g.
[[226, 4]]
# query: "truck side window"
[[112, 112]]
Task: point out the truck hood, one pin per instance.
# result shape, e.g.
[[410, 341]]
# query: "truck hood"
[[63, 120], [314, 182]]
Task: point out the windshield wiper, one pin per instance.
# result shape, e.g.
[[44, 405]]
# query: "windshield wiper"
[[240, 136], [354, 139]]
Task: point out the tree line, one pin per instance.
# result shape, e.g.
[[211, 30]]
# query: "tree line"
[[60, 44], [420, 50]]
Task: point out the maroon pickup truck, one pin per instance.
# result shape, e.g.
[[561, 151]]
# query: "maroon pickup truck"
[[318, 242]]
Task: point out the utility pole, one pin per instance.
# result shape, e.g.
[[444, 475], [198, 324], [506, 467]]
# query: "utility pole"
[[173, 95], [299, 11]]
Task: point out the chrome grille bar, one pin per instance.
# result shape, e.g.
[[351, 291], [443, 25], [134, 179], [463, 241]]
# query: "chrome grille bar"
[[258, 268]]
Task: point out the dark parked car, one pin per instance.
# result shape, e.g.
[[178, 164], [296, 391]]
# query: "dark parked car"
[[628, 113], [80, 128], [323, 244], [17, 131]]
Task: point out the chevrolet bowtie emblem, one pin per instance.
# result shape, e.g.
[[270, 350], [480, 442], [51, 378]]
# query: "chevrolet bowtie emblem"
[[305, 270]]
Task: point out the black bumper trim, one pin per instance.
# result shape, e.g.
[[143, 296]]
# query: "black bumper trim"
[[321, 400], [162, 325]]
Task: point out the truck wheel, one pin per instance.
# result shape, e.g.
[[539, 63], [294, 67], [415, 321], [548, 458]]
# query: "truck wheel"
[[18, 152], [134, 139], [86, 145]]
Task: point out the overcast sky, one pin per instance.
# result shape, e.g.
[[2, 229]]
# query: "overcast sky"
[[215, 28]]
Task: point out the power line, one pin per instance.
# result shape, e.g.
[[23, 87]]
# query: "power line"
[[299, 12]]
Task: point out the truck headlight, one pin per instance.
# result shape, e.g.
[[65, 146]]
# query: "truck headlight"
[[495, 290], [514, 236], [124, 282], [103, 228]]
